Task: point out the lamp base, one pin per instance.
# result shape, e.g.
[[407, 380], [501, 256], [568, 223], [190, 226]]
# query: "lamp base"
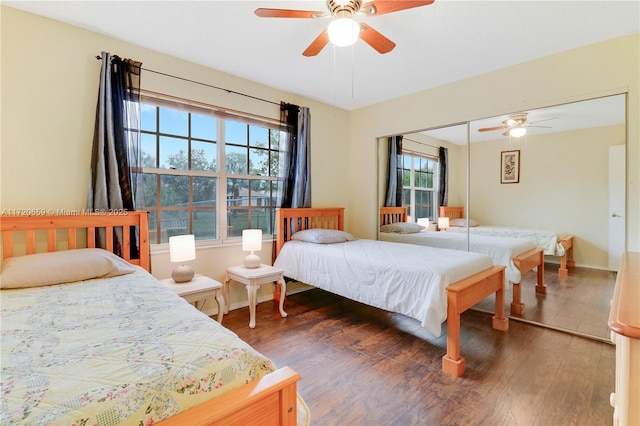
[[251, 261], [182, 274]]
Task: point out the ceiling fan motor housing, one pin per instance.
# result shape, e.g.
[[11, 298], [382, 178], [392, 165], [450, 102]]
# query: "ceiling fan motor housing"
[[344, 8]]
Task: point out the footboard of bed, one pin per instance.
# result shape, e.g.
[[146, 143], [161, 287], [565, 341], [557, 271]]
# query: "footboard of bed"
[[269, 401], [566, 260], [525, 262], [460, 297]]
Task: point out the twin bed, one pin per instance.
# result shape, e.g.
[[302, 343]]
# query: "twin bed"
[[519, 256], [553, 244], [429, 284], [92, 338]]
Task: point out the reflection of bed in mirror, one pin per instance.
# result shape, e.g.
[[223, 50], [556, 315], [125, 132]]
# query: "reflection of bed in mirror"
[[553, 243], [425, 283], [519, 256]]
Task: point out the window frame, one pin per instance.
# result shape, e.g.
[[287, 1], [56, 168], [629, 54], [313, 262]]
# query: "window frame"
[[412, 188], [220, 174]]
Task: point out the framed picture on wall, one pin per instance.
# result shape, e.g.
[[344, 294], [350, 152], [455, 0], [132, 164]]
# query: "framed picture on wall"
[[510, 166]]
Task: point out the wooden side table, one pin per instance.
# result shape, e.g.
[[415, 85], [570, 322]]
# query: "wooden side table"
[[253, 279], [198, 290]]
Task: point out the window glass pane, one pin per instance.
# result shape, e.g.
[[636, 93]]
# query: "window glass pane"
[[237, 220], [203, 156], [260, 220], [235, 132], [237, 192], [276, 163], [148, 117], [148, 145], [259, 194], [203, 127], [420, 180], [174, 222], [406, 177], [174, 190], [149, 189], [406, 162], [204, 224], [259, 136], [154, 237], [174, 122], [259, 162], [235, 160], [204, 191], [173, 153], [275, 137]]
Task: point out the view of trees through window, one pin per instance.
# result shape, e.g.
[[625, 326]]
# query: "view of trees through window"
[[419, 182], [208, 175]]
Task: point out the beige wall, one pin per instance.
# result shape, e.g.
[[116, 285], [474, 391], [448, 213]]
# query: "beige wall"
[[563, 187], [601, 69], [49, 83]]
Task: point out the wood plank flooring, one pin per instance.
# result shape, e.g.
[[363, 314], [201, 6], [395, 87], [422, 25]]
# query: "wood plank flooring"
[[579, 302], [364, 366]]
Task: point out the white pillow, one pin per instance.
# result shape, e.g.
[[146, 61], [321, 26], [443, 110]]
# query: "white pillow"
[[322, 236], [41, 269], [402, 228], [463, 222]]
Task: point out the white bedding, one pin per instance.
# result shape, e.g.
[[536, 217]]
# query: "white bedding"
[[501, 249], [402, 278], [548, 240]]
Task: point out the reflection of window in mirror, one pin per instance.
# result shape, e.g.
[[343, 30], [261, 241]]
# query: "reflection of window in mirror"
[[420, 179]]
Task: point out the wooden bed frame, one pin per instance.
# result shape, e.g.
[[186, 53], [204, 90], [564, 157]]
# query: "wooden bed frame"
[[271, 400], [566, 240], [460, 295], [524, 262]]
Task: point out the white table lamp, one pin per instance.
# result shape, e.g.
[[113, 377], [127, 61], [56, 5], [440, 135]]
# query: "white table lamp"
[[443, 223], [252, 241], [182, 248], [424, 221]]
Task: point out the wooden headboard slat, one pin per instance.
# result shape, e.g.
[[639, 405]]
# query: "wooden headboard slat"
[[71, 223], [452, 212], [390, 215], [71, 241], [292, 220]]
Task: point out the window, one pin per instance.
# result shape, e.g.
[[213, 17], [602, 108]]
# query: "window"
[[419, 174], [206, 172]]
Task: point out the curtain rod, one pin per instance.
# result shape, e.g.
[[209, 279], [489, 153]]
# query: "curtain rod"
[[421, 143], [205, 84]]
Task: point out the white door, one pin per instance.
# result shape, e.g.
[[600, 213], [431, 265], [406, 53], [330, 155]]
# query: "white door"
[[617, 203]]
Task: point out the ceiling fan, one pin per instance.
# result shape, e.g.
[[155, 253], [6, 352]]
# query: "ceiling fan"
[[516, 125], [343, 29]]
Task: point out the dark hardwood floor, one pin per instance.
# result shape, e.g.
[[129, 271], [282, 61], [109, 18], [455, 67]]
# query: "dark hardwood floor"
[[364, 366]]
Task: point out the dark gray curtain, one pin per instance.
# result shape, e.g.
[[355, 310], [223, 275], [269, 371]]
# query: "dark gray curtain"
[[296, 122], [116, 155], [443, 188], [393, 196]]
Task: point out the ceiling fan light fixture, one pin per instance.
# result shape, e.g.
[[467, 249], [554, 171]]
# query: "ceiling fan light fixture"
[[343, 32], [517, 132]]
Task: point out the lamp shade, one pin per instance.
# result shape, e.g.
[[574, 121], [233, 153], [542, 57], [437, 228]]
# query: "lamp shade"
[[443, 222], [424, 221], [182, 248], [343, 32], [251, 241]]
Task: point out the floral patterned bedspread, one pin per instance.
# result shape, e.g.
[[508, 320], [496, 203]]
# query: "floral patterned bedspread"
[[113, 351]]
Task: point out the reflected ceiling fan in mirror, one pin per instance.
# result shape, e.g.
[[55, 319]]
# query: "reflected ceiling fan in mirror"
[[516, 125], [343, 29]]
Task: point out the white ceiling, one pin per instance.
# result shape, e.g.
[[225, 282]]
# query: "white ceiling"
[[436, 44]]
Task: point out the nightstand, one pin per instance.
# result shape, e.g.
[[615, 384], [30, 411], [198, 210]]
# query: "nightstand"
[[198, 290], [253, 278]]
